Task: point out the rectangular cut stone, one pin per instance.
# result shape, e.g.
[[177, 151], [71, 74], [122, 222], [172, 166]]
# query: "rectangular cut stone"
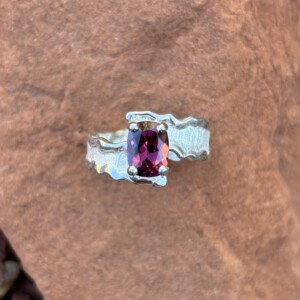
[[147, 149]]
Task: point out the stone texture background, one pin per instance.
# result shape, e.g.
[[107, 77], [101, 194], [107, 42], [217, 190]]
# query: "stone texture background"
[[227, 229]]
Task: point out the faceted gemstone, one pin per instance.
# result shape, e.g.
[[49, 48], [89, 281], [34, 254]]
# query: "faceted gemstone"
[[147, 149]]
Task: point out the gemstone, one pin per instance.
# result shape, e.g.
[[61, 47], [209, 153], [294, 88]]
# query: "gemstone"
[[147, 149]]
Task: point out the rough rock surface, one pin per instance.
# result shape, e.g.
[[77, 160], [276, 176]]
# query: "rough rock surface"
[[227, 229]]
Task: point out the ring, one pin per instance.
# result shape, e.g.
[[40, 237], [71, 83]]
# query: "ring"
[[141, 152]]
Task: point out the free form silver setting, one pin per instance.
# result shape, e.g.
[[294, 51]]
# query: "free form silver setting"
[[141, 152]]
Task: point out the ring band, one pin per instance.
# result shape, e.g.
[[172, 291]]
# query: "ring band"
[[140, 153]]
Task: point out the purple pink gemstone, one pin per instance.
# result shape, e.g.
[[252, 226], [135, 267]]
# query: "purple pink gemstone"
[[147, 149]]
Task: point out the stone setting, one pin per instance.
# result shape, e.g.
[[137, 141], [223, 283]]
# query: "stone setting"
[[147, 149]]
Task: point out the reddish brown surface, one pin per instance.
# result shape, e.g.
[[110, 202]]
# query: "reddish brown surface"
[[228, 229]]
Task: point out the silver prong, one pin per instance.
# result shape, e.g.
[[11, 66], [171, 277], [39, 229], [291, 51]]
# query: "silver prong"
[[163, 170], [133, 127], [132, 171], [204, 156], [162, 127]]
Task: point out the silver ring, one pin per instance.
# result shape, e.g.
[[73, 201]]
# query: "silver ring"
[[141, 152]]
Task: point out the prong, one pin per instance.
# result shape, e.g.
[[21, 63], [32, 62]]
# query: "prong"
[[163, 170], [132, 171], [162, 127], [204, 156], [133, 127]]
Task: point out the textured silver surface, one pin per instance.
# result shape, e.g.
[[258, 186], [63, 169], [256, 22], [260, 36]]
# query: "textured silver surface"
[[188, 138]]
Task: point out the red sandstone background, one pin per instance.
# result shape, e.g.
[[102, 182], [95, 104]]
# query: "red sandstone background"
[[227, 229]]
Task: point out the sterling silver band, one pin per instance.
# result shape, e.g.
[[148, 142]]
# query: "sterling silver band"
[[188, 138]]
